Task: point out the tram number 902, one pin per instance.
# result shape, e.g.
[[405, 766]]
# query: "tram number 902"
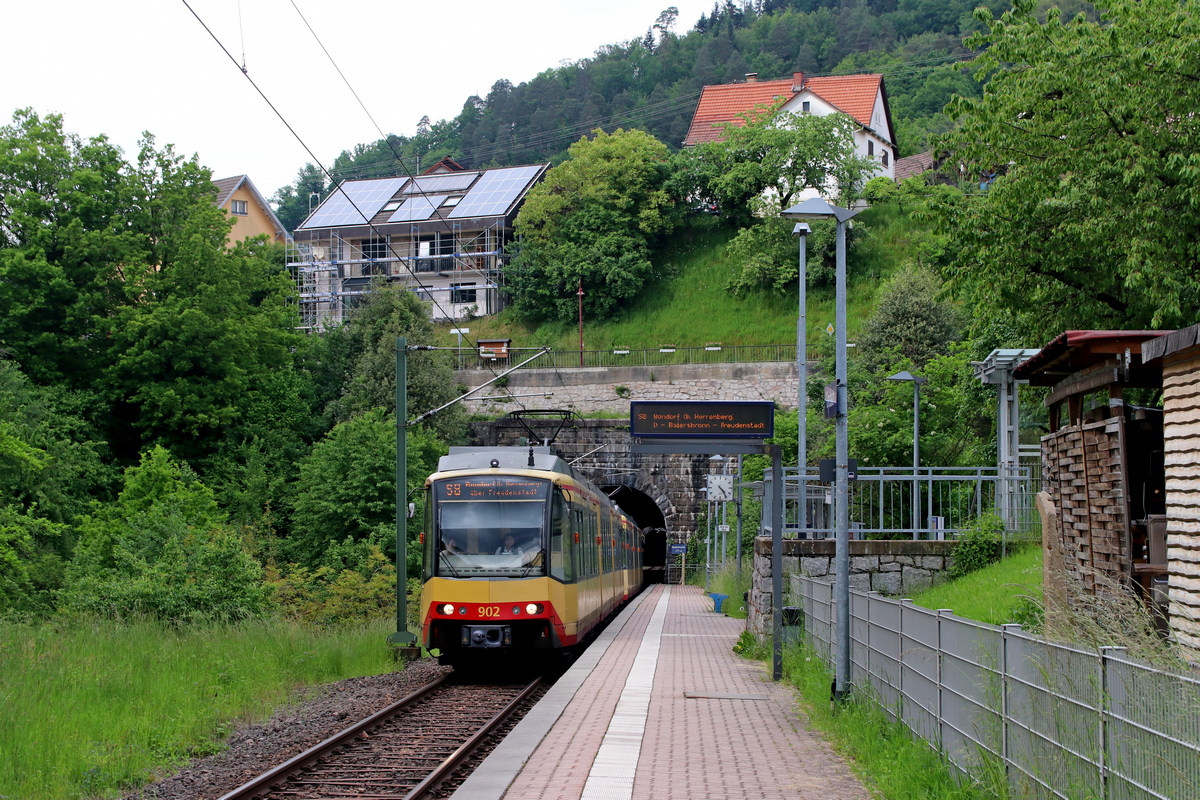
[[489, 611]]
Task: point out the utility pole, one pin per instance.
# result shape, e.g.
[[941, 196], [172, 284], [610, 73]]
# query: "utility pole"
[[402, 636]]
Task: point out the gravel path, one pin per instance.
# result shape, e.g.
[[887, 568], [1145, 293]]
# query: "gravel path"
[[255, 749]]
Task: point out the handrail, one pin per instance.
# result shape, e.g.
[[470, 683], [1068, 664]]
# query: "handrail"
[[650, 357]]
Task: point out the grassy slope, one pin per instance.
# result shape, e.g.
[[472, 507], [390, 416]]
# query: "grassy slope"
[[692, 308], [993, 593]]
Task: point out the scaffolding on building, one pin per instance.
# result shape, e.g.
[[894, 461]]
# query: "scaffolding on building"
[[456, 273]]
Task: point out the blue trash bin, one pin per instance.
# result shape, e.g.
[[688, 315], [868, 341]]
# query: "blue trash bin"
[[717, 600]]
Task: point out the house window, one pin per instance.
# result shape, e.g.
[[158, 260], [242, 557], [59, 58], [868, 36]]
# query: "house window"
[[870, 148], [885, 158], [805, 107], [239, 208], [462, 293], [431, 246], [374, 248]]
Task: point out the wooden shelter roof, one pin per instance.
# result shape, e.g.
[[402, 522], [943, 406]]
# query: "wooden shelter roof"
[[1074, 351]]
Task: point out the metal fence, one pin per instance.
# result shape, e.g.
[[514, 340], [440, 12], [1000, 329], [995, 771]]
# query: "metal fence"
[[653, 357], [933, 503], [1057, 721]]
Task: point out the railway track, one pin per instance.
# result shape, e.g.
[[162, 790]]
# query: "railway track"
[[407, 751]]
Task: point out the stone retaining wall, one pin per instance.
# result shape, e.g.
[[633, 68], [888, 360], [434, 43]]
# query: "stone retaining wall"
[[587, 390], [895, 567]]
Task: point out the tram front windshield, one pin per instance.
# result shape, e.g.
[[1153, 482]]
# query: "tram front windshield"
[[491, 526]]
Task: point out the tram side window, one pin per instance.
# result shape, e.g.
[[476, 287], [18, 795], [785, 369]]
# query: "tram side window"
[[430, 554], [560, 546], [592, 548], [605, 544], [580, 544]]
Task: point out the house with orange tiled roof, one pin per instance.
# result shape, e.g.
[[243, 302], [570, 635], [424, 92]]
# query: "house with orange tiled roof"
[[861, 97]]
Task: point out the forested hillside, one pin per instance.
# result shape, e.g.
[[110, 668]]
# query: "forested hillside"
[[653, 81]]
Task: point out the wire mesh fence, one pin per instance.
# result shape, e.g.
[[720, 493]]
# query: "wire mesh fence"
[[1055, 720]]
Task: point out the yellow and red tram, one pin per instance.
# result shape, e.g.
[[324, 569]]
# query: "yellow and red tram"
[[522, 556]]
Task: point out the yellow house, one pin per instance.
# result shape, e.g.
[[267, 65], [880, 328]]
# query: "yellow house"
[[251, 213]]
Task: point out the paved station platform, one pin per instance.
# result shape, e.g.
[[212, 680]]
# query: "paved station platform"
[[661, 708]]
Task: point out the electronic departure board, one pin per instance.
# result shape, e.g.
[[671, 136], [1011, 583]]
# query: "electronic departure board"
[[488, 487], [702, 420]]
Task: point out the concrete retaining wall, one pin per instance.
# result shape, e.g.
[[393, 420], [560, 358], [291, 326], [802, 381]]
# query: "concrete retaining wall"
[[895, 567]]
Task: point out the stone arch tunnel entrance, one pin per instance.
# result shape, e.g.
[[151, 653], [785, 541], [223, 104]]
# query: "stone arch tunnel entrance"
[[649, 518], [660, 493]]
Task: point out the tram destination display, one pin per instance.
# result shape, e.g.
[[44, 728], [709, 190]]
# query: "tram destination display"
[[702, 420], [487, 487]]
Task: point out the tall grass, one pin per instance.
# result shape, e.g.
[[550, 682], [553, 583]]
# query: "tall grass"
[[1007, 591], [733, 583], [89, 708], [893, 763]]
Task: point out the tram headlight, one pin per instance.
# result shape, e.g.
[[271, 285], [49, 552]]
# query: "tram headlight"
[[447, 609], [533, 608]]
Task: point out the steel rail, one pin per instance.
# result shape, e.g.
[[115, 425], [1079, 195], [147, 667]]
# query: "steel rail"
[[456, 759], [270, 780], [313, 754]]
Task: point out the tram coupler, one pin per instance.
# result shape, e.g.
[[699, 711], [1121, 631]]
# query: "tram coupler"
[[486, 636]]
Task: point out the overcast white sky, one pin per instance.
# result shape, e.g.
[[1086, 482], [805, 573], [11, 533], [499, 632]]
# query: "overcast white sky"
[[123, 67]]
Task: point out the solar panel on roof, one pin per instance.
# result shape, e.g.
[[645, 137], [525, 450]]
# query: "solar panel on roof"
[[495, 192], [354, 203], [417, 208], [441, 183]]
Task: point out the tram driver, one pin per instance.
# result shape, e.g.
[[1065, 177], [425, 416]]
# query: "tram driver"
[[509, 547]]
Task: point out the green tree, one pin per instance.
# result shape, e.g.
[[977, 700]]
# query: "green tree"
[[66, 239], [1094, 218], [346, 492], [594, 221], [51, 469], [162, 550], [909, 321], [362, 356], [294, 201], [209, 342], [765, 161]]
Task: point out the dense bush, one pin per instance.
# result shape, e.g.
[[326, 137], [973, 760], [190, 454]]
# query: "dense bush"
[[978, 545], [327, 595], [163, 551]]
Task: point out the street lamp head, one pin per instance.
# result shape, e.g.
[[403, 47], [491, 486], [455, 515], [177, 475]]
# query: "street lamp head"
[[816, 208], [801, 229], [907, 376]]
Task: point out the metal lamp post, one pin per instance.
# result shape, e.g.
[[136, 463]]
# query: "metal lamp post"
[[816, 208], [802, 230], [916, 482]]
